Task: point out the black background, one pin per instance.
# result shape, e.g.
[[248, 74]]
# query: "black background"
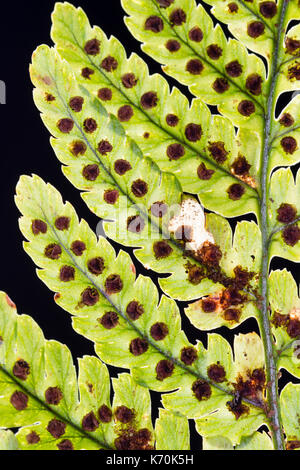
[[25, 149]]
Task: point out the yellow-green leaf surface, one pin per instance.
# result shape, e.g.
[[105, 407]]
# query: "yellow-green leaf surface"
[[290, 404], [285, 305], [55, 410], [172, 431], [200, 149], [8, 441], [218, 70], [258, 441]]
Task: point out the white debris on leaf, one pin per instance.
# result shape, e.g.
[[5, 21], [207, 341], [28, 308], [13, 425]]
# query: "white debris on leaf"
[[295, 314], [192, 221]]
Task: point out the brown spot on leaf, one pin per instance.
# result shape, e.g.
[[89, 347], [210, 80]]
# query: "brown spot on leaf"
[[21, 369], [234, 69], [65, 125], [96, 265], [53, 396], [105, 94], [19, 400], [254, 84], [172, 120], [293, 328], [149, 100], [76, 104], [159, 331], [90, 296], [291, 445], [286, 120], [172, 45], [208, 305], [292, 45], [111, 196], [104, 147], [49, 98], [188, 355], [67, 274], [194, 66], [90, 422], [231, 296], [110, 320], [125, 113], [78, 248], [177, 17], [91, 172], [105, 414], [154, 24], [286, 213], [33, 438], [196, 34], [122, 166], [165, 3], [195, 273], [201, 390], [235, 191], [139, 188], [138, 346], [240, 166], [220, 85], [218, 151], [109, 64], [113, 284], [246, 108], [92, 47], [62, 223], [164, 369], [53, 251], [66, 444], [268, 9], [78, 148], [129, 80], [216, 373], [237, 407], [162, 249], [193, 132], [56, 428], [289, 145], [233, 7], [175, 151], [294, 71], [255, 29], [134, 310], [214, 51], [279, 320], [232, 315], [86, 72], [90, 125], [124, 414], [38, 226], [204, 173], [210, 254]]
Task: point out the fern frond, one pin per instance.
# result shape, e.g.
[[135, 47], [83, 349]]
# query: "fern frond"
[[122, 316], [258, 440], [129, 199], [56, 410], [218, 70], [200, 149]]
